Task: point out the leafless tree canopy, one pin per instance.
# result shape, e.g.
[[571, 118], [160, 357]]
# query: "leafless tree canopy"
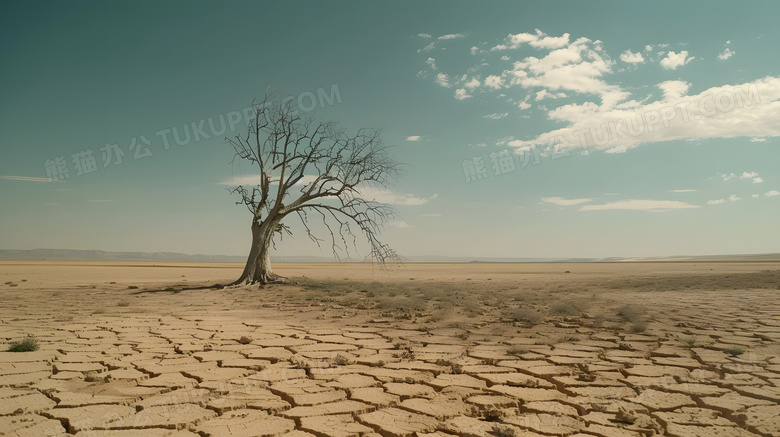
[[314, 170]]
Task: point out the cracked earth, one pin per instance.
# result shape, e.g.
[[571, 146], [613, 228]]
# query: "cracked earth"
[[428, 351]]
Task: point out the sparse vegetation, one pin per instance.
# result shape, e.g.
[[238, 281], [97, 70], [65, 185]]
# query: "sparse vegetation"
[[525, 315], [567, 308], [734, 351], [516, 351], [29, 344], [639, 326], [96, 377], [342, 360], [689, 341], [632, 313]]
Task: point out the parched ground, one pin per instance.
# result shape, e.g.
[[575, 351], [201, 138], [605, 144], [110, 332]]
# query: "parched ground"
[[611, 350]]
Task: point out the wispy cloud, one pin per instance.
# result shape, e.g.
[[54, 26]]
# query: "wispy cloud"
[[28, 179], [564, 202], [461, 94], [726, 54], [772, 193], [413, 138], [496, 115], [451, 36], [383, 195], [745, 175], [539, 40], [443, 80], [424, 35], [640, 205]]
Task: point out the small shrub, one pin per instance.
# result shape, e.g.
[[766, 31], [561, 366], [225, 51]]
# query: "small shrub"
[[631, 313], [132, 287], [342, 360], [123, 304], [734, 351], [639, 326], [95, 377], [517, 351], [29, 344], [689, 341], [526, 315], [566, 308]]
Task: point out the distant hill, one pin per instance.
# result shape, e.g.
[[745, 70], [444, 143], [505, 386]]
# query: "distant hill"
[[101, 255]]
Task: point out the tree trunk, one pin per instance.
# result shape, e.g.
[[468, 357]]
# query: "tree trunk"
[[258, 264]]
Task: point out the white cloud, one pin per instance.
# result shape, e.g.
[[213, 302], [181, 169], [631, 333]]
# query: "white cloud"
[[772, 193], [649, 48], [632, 58], [473, 83], [383, 195], [726, 54], [461, 94], [754, 196], [496, 115], [452, 36], [733, 198], [431, 62], [683, 191], [505, 58], [443, 80], [716, 202], [427, 48], [424, 35], [564, 202], [674, 89], [540, 40], [674, 60], [745, 175], [524, 104], [745, 110], [640, 205], [474, 50], [494, 82], [543, 94], [413, 138], [578, 68], [758, 140], [28, 179], [504, 141]]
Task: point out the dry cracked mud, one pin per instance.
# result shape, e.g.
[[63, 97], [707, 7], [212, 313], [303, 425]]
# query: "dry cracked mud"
[[641, 353]]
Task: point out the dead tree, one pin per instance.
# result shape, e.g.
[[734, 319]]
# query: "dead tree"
[[315, 171]]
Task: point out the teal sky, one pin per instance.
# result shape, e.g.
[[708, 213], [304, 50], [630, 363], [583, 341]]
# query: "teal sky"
[[605, 129]]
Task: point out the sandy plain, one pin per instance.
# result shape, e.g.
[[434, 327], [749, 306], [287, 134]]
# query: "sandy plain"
[[480, 349]]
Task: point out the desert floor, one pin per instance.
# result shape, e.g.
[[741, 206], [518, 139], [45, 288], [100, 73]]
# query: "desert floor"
[[634, 349]]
